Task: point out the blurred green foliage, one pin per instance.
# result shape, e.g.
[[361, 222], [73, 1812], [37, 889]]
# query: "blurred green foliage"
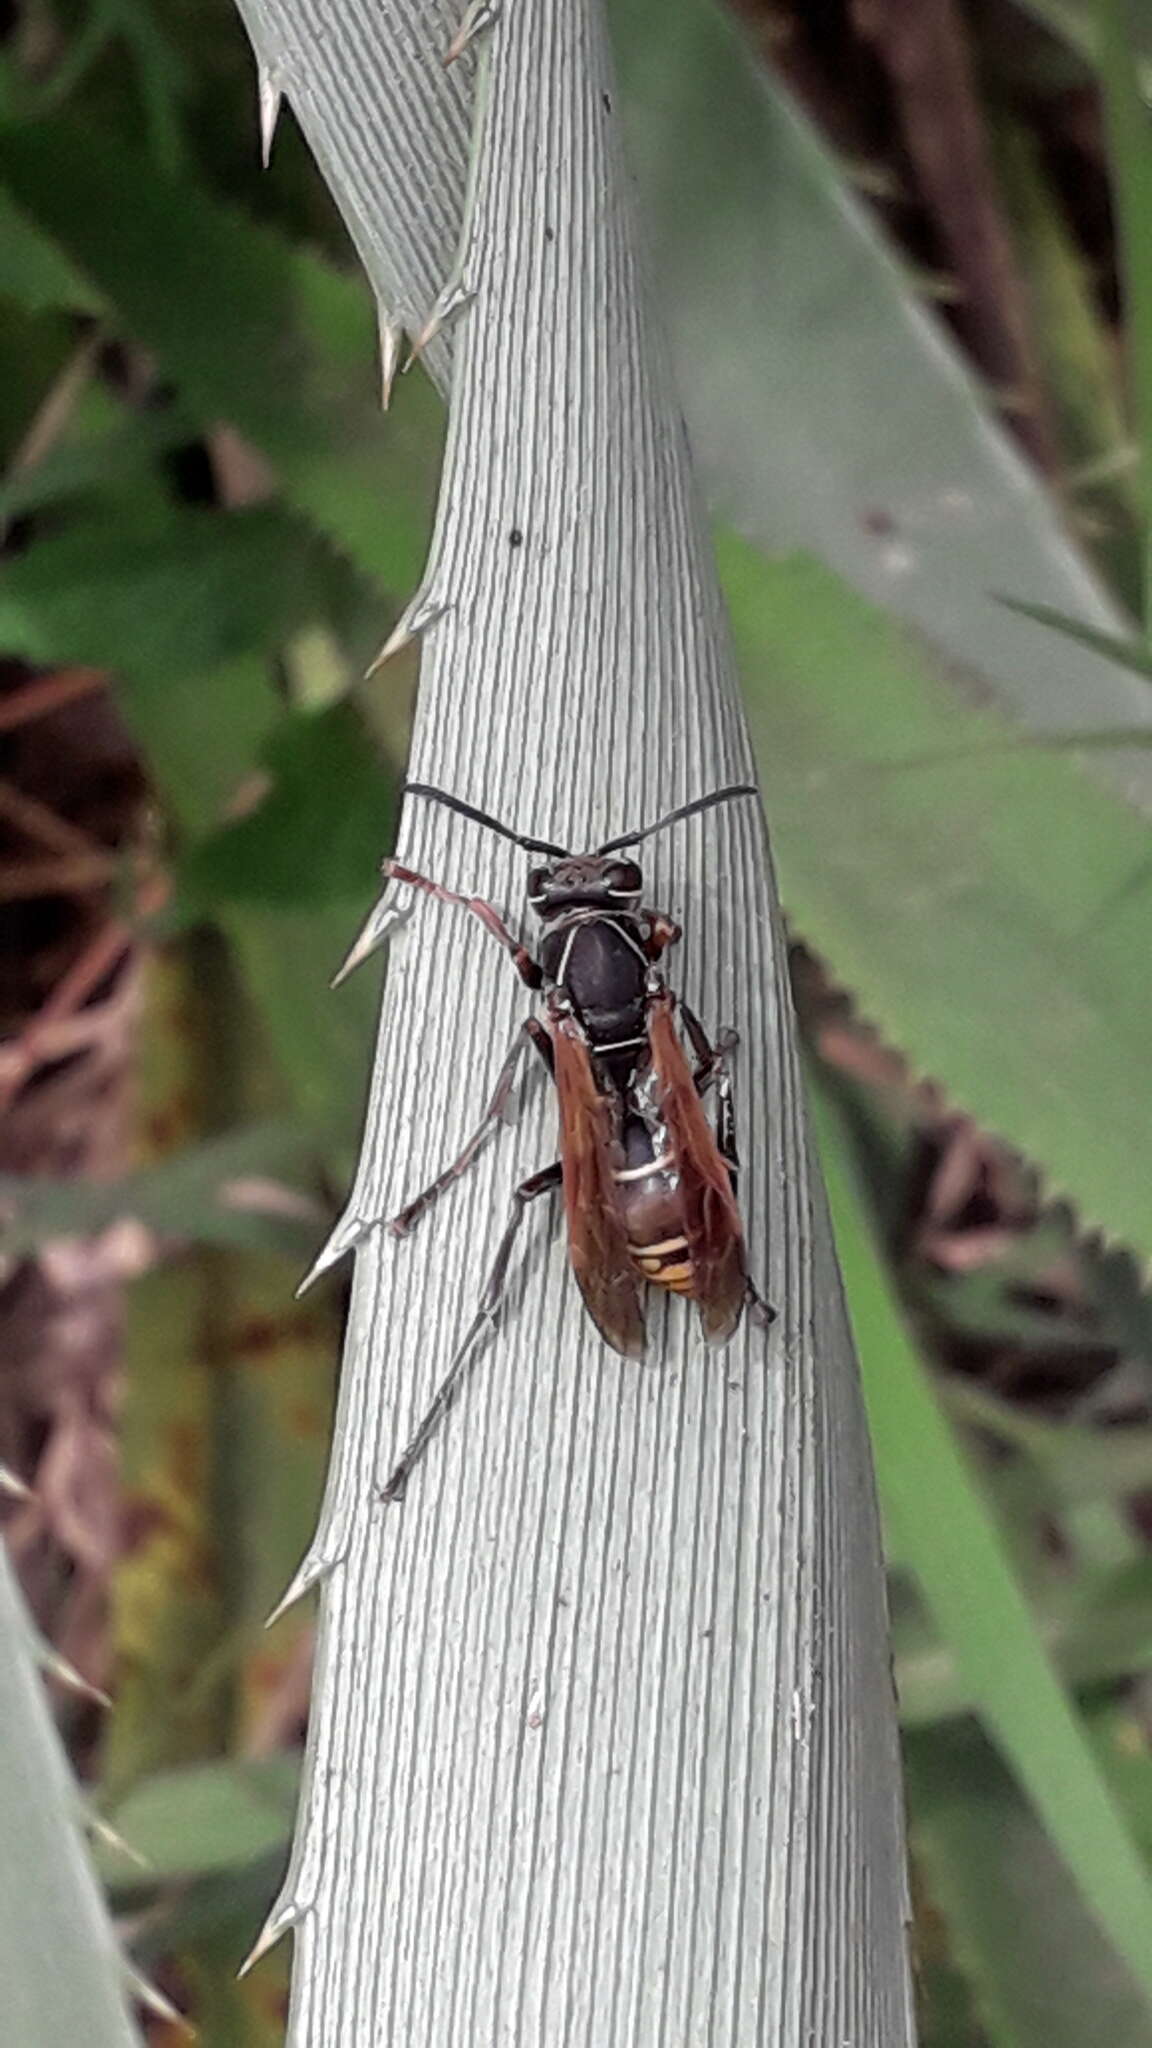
[[202, 499]]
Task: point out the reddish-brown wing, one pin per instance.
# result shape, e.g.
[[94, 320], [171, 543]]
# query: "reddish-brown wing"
[[597, 1239], [711, 1216]]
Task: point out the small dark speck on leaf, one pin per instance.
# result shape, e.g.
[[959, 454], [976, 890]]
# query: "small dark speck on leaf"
[[607, 99], [515, 538], [549, 234], [877, 522]]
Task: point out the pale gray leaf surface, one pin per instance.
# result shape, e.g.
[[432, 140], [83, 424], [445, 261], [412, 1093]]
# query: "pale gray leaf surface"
[[603, 1744], [396, 162], [61, 1975], [828, 410], [826, 406]]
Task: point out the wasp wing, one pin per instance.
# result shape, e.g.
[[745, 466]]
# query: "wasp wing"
[[597, 1238], [711, 1214]]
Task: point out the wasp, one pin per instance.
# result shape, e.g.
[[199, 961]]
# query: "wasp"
[[649, 1181]]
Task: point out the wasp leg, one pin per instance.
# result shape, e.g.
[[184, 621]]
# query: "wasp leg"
[[537, 1184], [761, 1311], [495, 1113], [530, 1032], [542, 1042], [526, 966], [662, 932], [709, 1058], [725, 1121]]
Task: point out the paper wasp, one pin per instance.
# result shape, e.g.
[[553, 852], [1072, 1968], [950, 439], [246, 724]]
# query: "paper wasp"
[[649, 1183]]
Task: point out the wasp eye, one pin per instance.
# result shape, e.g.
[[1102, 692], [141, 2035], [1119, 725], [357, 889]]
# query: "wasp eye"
[[624, 878]]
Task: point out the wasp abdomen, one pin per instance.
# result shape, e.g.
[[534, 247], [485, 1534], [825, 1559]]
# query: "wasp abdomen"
[[664, 1265], [649, 1191]]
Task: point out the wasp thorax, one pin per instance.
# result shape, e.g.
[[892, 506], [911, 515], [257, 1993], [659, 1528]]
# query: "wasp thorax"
[[585, 881]]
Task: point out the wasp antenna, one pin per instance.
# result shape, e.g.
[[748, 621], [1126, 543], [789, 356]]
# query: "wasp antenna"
[[698, 803], [457, 803]]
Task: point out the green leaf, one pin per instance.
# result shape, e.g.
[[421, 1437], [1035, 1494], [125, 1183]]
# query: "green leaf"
[[827, 408], [1121, 1739], [1041, 1974], [35, 351], [229, 1190], [321, 1036], [279, 344], [1097, 1632], [1076, 353], [146, 76], [34, 272], [236, 702], [948, 1537], [94, 464], [1128, 654], [250, 330], [990, 911], [203, 1819], [317, 836], [1077, 22], [185, 613], [1128, 131], [1073, 21], [59, 1963], [153, 600]]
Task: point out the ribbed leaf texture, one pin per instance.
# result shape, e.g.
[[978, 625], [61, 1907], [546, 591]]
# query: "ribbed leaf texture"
[[603, 1744], [62, 1978]]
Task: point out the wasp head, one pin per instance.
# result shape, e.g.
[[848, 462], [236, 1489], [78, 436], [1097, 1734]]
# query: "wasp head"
[[585, 881]]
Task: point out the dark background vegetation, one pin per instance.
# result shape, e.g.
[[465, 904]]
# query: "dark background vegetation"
[[208, 528]]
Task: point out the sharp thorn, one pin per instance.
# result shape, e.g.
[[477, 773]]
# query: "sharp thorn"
[[104, 1832], [480, 15], [397, 638], [154, 2001], [380, 921], [391, 336], [59, 1668], [348, 1233], [271, 100], [312, 1571], [445, 309], [421, 614], [285, 1914]]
